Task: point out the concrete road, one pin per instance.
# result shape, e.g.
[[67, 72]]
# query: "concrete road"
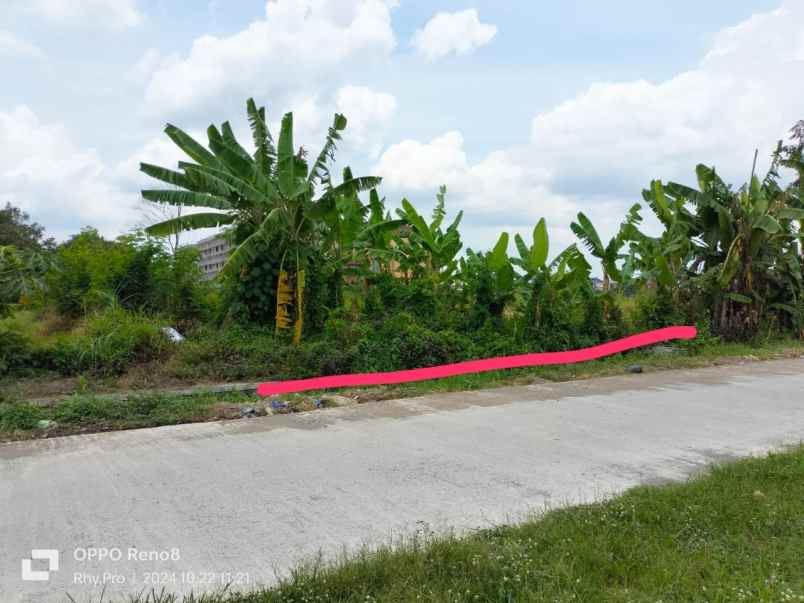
[[191, 507]]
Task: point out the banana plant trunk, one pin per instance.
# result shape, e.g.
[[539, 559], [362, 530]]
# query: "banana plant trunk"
[[290, 303]]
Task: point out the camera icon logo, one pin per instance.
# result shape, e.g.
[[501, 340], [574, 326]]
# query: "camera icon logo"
[[31, 575]]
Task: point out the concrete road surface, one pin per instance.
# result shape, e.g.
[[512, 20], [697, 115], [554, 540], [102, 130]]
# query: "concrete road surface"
[[194, 506]]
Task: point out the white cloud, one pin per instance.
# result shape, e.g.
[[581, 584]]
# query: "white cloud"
[[368, 113], [61, 185], [745, 94], [159, 151], [65, 187], [420, 166], [503, 191], [296, 47], [141, 71], [503, 182], [13, 46], [106, 14], [597, 151], [460, 33]]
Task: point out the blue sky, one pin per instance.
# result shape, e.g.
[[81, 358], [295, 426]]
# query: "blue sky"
[[523, 108]]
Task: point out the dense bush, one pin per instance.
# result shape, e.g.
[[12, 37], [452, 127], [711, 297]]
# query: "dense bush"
[[16, 351], [656, 309], [133, 272], [111, 341], [401, 343]]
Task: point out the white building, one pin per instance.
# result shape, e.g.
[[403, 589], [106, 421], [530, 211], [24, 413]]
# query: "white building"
[[213, 252]]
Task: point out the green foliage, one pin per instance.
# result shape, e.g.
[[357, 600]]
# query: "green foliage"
[[134, 272], [656, 309], [400, 343], [19, 416], [80, 412], [269, 198], [22, 277], [112, 341], [91, 270], [17, 230], [16, 351], [427, 251], [738, 252], [326, 260]]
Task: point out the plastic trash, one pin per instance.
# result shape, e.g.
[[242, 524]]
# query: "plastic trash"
[[173, 334]]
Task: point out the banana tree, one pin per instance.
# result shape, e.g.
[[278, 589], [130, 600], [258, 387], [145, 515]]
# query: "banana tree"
[[569, 269], [792, 157], [565, 276], [662, 260], [357, 235], [426, 248], [609, 254], [377, 238], [267, 197], [491, 277], [763, 235], [533, 260]]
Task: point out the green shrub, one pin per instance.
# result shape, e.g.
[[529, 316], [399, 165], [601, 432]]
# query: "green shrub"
[[342, 328], [603, 320], [705, 338], [656, 309], [112, 341], [19, 415], [323, 357], [400, 343], [16, 351], [233, 352]]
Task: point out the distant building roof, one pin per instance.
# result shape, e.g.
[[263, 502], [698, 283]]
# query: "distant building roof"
[[216, 237]]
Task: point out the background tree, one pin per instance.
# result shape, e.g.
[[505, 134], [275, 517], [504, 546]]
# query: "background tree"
[[17, 229]]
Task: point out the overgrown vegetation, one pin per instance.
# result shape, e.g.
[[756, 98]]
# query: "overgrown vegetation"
[[732, 535], [325, 279], [95, 407], [83, 413]]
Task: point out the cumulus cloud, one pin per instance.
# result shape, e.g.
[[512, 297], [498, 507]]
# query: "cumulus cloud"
[[743, 95], [296, 47], [13, 46], [414, 165], [368, 112], [106, 14], [63, 186], [66, 187], [459, 33], [502, 191], [596, 151]]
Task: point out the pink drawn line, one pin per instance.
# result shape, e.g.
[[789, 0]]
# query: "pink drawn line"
[[479, 366]]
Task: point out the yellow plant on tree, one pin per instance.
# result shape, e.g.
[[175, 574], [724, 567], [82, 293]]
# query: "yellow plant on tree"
[[290, 303]]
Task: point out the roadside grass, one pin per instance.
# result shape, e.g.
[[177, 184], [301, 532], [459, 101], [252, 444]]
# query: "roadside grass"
[[88, 412], [648, 360], [733, 534], [40, 329]]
